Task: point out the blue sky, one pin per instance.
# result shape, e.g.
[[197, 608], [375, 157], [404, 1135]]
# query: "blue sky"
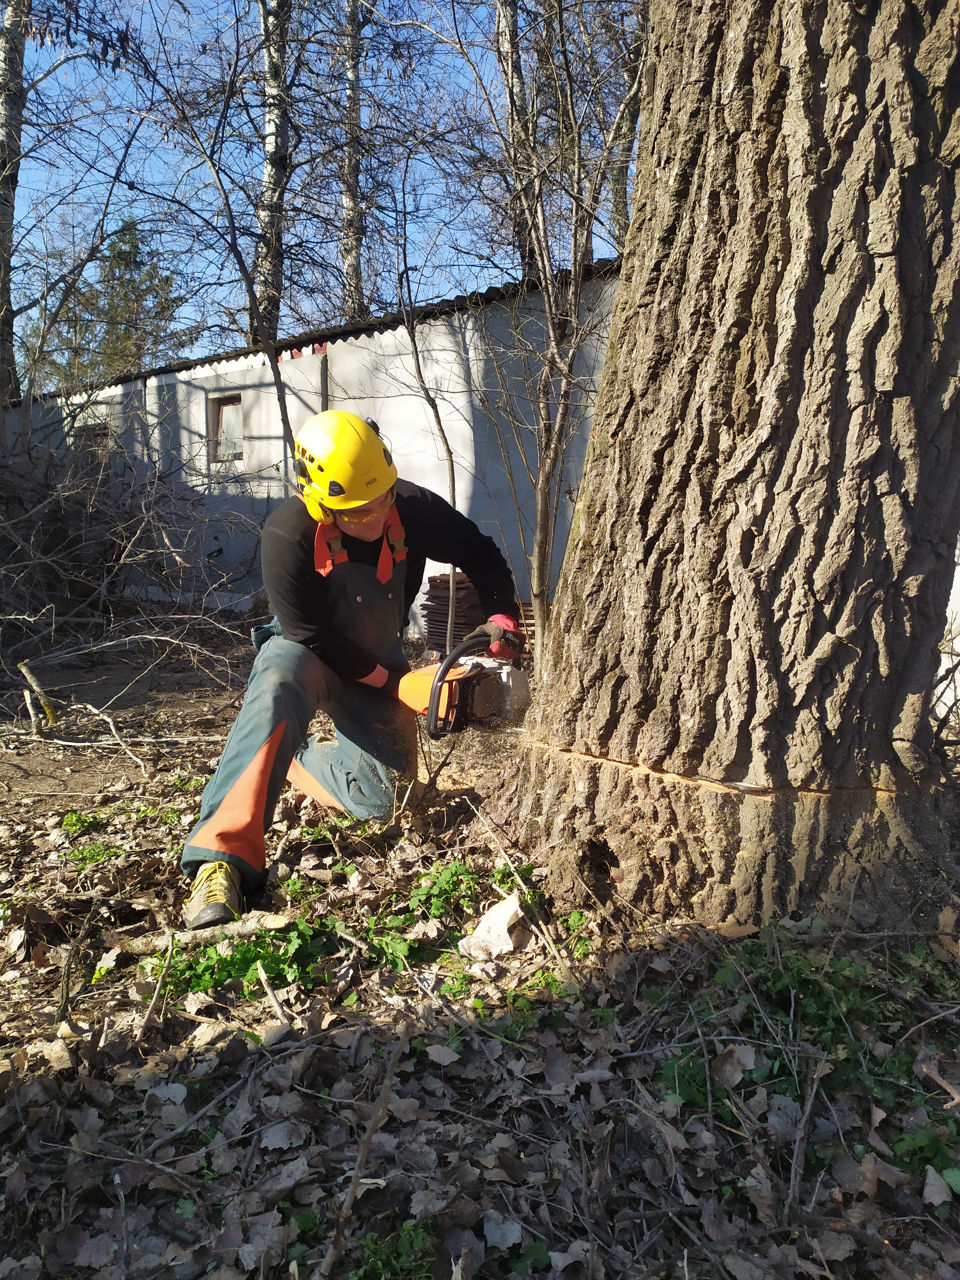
[[87, 125]]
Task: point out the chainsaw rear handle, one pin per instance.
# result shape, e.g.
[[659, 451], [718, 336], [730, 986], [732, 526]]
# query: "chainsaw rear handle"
[[450, 720]]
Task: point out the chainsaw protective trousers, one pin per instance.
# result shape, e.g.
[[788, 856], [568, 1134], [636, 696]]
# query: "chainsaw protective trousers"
[[372, 758]]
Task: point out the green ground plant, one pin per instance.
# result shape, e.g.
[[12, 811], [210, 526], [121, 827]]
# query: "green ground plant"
[[296, 955], [457, 985], [343, 868], [446, 891], [519, 879], [75, 823], [529, 1259], [307, 1223], [170, 817], [510, 878], [95, 851], [299, 889], [574, 926], [183, 782], [384, 935], [332, 828], [407, 1255]]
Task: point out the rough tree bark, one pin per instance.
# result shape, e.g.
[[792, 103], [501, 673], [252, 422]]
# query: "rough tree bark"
[[734, 717]]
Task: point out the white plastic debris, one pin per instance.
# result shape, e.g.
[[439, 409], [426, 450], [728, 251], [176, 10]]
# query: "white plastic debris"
[[491, 937]]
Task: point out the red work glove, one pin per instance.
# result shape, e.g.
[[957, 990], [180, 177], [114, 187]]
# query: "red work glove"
[[506, 638]]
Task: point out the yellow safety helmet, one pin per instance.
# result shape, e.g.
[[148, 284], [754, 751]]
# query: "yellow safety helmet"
[[340, 462]]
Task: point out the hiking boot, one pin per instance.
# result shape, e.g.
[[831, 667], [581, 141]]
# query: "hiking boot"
[[214, 897]]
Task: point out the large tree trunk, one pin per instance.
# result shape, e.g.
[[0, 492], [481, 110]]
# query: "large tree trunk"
[[13, 96], [734, 716]]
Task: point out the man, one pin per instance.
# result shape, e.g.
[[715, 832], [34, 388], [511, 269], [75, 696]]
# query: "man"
[[342, 563]]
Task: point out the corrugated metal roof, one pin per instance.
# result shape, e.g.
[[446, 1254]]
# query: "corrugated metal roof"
[[351, 329]]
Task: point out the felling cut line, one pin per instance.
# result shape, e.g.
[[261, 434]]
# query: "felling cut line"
[[697, 780]]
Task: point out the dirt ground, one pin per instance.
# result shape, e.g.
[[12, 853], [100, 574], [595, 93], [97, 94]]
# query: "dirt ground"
[[334, 1086]]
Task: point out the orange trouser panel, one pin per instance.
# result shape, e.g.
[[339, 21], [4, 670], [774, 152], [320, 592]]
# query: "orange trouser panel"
[[298, 777], [237, 825]]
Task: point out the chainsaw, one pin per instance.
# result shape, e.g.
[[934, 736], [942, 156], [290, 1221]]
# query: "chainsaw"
[[467, 689]]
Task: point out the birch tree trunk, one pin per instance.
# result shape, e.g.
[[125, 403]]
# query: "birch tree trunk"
[[352, 227], [736, 683], [268, 258], [13, 96], [519, 135], [624, 141]]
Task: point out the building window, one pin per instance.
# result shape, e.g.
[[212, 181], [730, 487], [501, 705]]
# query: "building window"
[[89, 434], [226, 429], [93, 437]]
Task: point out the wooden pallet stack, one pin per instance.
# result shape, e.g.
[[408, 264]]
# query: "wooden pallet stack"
[[469, 612]]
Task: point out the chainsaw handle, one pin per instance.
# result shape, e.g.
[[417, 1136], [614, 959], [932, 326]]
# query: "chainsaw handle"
[[437, 726]]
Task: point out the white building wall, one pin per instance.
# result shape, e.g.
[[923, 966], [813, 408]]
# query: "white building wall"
[[473, 363]]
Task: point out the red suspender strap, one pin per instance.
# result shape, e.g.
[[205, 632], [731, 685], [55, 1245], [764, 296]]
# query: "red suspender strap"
[[395, 532], [327, 549], [393, 548]]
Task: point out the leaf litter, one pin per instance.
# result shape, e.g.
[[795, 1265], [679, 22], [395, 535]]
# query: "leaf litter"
[[334, 1086]]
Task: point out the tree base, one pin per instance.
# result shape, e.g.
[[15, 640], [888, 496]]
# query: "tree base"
[[671, 846]]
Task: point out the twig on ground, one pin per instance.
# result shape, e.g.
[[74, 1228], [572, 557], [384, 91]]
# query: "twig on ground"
[[707, 1078], [191, 1121], [252, 922], [118, 1156], [343, 932], [124, 1229], [36, 728], [538, 923], [867, 1240], [604, 911], [400, 805], [432, 775], [156, 992], [63, 1005], [48, 707], [158, 740], [935, 1017], [87, 706], [363, 1150], [253, 1150], [930, 1069], [799, 1145], [272, 996]]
